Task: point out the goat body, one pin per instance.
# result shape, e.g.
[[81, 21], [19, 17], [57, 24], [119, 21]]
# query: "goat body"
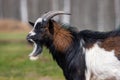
[[89, 56], [84, 55]]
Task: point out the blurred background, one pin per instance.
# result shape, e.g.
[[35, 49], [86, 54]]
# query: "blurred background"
[[100, 15]]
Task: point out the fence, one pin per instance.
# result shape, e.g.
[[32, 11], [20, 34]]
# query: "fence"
[[102, 15]]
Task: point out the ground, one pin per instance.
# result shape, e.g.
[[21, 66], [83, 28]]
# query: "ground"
[[14, 51]]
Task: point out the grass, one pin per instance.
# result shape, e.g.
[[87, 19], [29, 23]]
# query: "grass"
[[15, 63], [11, 36]]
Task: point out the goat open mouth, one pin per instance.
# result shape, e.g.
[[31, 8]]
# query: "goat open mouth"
[[36, 50]]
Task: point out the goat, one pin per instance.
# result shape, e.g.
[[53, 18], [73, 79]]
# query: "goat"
[[82, 55]]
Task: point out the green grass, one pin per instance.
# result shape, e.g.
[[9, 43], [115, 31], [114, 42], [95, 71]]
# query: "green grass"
[[15, 63], [12, 36]]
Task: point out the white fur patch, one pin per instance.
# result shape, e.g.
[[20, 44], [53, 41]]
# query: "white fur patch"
[[35, 47], [103, 64], [31, 54], [32, 58], [38, 20], [32, 33]]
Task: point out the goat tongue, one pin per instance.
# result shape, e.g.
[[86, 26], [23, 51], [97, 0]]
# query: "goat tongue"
[[36, 51]]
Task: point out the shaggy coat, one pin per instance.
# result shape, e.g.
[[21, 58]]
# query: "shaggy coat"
[[84, 55], [72, 52]]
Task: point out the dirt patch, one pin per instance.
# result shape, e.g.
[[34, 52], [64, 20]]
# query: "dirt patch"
[[7, 25]]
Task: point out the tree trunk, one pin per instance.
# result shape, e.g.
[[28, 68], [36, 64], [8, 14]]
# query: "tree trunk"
[[90, 14], [1, 9], [106, 19], [55, 6], [66, 8], [117, 13], [23, 10]]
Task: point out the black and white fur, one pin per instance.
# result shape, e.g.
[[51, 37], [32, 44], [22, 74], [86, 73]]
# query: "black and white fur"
[[78, 61]]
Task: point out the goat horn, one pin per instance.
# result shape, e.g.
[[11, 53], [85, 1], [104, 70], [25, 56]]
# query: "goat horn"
[[51, 14]]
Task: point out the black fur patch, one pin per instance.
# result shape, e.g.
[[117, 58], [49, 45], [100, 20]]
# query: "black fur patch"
[[72, 61], [31, 23], [94, 36]]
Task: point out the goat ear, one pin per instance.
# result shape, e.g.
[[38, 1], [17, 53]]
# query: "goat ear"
[[51, 27], [31, 23]]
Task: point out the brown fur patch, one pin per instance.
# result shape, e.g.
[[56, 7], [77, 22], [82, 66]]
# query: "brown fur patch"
[[62, 38], [111, 78], [94, 77], [90, 45], [112, 43]]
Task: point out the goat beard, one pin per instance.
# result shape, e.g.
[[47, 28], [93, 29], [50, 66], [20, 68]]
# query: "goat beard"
[[37, 50]]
